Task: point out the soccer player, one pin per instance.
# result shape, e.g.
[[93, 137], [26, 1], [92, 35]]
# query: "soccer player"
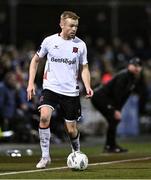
[[110, 98], [66, 55]]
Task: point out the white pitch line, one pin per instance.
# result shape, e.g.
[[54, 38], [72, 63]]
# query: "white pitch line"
[[120, 161], [32, 171], [65, 167]]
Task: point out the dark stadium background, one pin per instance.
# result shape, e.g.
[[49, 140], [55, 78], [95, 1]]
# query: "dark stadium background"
[[24, 24], [22, 20], [114, 31]]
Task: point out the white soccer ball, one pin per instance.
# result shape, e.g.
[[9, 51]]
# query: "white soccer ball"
[[77, 161]]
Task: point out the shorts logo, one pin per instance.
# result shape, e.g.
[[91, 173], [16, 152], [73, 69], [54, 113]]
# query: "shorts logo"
[[75, 50], [41, 98]]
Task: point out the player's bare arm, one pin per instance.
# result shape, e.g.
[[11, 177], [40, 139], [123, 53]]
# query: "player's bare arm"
[[85, 74], [32, 73]]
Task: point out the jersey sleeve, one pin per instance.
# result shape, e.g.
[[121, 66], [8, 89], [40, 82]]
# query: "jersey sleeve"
[[42, 51], [83, 56]]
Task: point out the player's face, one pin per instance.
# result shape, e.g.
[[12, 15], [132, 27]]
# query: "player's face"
[[69, 28]]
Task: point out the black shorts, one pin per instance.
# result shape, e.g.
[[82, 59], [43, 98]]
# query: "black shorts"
[[70, 106]]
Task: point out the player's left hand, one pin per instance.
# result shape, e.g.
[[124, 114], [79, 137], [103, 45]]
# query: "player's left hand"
[[117, 115], [89, 92]]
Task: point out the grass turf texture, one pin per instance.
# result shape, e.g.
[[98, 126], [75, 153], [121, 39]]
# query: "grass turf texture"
[[140, 169]]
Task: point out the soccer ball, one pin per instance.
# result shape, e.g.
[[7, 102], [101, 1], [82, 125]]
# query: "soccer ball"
[[77, 161]]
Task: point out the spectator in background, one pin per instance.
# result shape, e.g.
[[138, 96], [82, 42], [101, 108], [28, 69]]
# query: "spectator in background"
[[16, 112], [27, 117], [110, 98], [8, 101]]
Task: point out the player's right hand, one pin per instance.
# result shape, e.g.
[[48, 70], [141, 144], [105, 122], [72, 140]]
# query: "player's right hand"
[[30, 92]]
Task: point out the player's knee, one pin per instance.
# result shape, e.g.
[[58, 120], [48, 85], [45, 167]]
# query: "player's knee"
[[72, 132], [44, 120]]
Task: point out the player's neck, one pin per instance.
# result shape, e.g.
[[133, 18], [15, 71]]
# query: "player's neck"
[[64, 36]]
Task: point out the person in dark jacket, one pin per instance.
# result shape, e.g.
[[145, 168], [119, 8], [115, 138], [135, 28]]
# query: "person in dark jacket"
[[8, 103], [111, 97]]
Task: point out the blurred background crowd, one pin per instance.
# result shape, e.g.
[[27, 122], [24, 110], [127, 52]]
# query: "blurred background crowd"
[[114, 31]]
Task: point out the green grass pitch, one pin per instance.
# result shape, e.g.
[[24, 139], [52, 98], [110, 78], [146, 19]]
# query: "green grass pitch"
[[136, 164]]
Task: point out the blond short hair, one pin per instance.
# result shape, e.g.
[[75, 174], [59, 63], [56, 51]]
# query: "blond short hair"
[[69, 14]]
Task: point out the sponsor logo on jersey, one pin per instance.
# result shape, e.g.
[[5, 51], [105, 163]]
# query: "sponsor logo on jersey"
[[63, 60]]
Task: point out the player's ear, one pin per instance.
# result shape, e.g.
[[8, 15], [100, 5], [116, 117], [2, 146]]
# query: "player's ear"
[[61, 23]]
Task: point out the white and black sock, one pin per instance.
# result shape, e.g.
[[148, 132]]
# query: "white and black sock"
[[44, 135], [75, 143]]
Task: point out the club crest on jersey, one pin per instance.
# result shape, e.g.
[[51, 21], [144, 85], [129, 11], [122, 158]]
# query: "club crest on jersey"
[[75, 50]]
